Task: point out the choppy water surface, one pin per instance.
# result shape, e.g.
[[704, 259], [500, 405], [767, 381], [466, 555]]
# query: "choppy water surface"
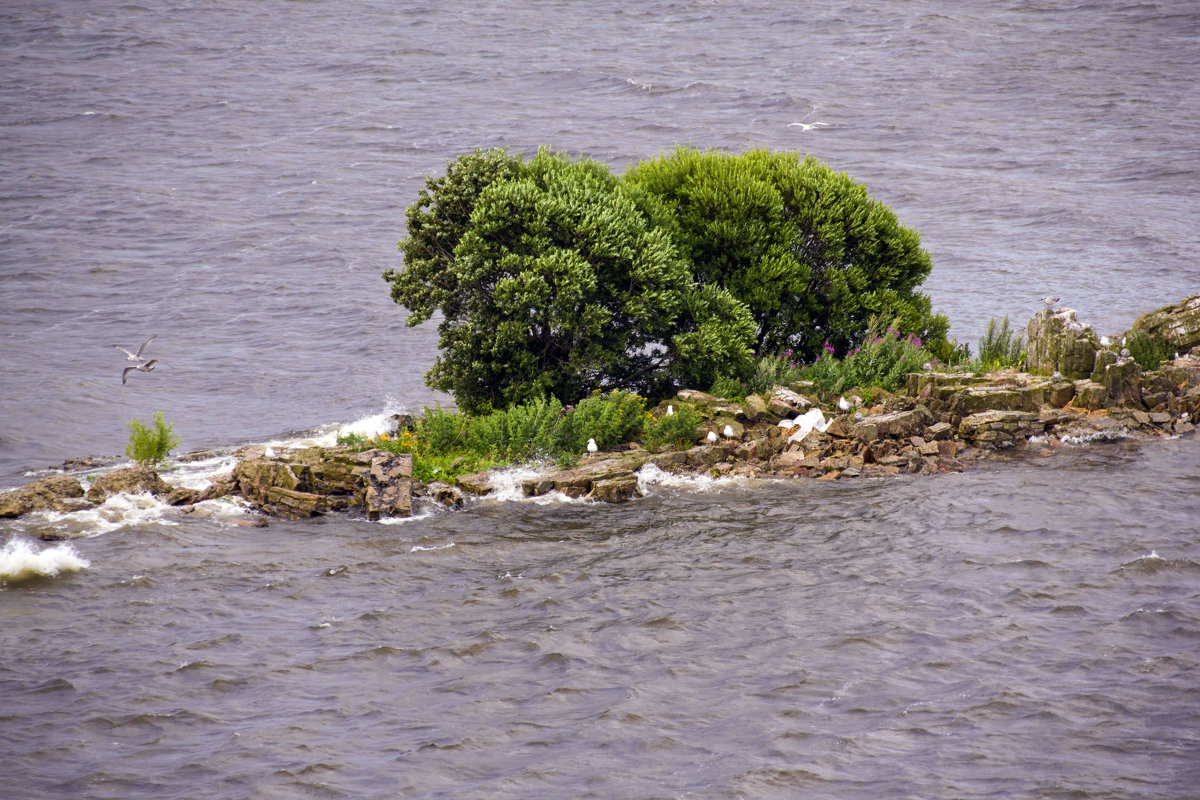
[[232, 178]]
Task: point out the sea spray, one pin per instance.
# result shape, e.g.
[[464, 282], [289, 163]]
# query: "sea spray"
[[20, 562]]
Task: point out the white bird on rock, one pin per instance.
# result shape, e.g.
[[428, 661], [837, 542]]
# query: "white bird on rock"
[[843, 404], [712, 437], [138, 355], [592, 446], [670, 410], [1105, 341], [729, 434], [1049, 301], [146, 367]]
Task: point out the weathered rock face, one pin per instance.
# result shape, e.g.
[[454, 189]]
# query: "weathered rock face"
[[1178, 323], [1058, 342], [316, 481], [1000, 428], [601, 479], [389, 486], [894, 424], [54, 493], [130, 479]]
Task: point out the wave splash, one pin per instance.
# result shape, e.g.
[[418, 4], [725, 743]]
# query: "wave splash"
[[20, 562]]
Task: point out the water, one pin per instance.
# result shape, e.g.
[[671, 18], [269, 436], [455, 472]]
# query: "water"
[[232, 178]]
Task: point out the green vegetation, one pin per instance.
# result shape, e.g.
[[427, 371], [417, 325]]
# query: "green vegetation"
[[555, 278], [805, 248], [677, 429], [881, 362], [551, 283], [150, 446], [1148, 350], [1000, 347], [445, 443]]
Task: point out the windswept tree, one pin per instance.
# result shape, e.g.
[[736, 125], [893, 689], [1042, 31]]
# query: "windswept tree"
[[805, 248], [551, 282]]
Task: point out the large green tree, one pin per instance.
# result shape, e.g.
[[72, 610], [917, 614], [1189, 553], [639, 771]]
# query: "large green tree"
[[551, 282], [805, 248]]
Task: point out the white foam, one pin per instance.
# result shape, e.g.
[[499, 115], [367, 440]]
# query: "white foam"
[[118, 511], [199, 475], [507, 488], [1098, 436], [19, 561], [416, 548], [651, 475]]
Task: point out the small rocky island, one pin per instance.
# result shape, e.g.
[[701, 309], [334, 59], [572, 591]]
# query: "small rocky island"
[[1076, 387]]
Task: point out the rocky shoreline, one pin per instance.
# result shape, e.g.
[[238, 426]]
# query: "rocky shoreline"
[[1076, 389]]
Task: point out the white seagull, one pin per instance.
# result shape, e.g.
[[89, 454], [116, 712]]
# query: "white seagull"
[[670, 410], [712, 437], [728, 431], [592, 446], [843, 404], [1105, 341], [146, 367], [138, 355], [1049, 301], [808, 126]]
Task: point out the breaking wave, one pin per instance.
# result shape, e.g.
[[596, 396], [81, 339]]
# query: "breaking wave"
[[20, 562]]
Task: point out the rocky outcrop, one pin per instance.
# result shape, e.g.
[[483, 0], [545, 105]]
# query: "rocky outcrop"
[[61, 493], [1178, 323], [317, 480], [1058, 342], [130, 480]]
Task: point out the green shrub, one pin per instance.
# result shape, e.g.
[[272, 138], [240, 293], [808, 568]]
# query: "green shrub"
[[150, 446], [611, 418], [882, 361], [551, 283], [1148, 350], [805, 248], [677, 429], [1001, 347]]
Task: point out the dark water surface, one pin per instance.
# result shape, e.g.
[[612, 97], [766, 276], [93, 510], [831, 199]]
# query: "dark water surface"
[[232, 177]]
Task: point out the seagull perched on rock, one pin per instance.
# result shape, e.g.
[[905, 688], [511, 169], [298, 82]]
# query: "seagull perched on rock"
[[1049, 301], [843, 404], [670, 410], [592, 446], [728, 432], [146, 367], [712, 437], [1105, 341], [138, 355]]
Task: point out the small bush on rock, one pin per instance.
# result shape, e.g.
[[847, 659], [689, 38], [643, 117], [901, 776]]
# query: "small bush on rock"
[[1000, 346], [1148, 350], [677, 429], [882, 361], [148, 446]]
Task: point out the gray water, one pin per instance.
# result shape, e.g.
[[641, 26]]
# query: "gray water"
[[232, 178]]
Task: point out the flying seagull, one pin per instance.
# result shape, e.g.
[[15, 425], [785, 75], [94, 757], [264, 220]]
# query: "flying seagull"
[[808, 126], [138, 355], [146, 367]]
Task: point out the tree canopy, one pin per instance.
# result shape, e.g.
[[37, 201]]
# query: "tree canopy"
[[553, 277]]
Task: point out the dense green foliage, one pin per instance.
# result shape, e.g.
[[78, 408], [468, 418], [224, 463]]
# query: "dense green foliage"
[[555, 278], [446, 443], [1148, 350], [150, 446], [551, 283], [882, 361], [805, 248], [1000, 346], [677, 429]]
